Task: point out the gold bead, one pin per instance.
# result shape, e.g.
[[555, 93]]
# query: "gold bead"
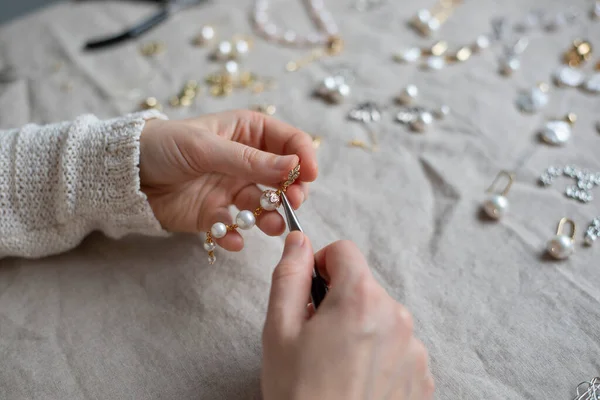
[[174, 101], [151, 103], [316, 141], [463, 54], [185, 101], [335, 45]]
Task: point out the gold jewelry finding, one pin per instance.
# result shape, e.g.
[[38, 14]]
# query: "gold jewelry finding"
[[152, 48], [579, 52], [334, 46], [511, 179], [151, 103]]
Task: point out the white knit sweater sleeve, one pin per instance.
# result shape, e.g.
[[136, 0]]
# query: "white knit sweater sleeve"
[[60, 182]]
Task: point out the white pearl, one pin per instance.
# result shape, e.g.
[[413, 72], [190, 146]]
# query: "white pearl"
[[410, 55], [218, 230], [223, 51], [209, 246], [408, 94], [232, 68], [211, 259], [421, 121], [561, 247], [568, 76], [510, 65], [481, 43], [245, 219], [496, 206], [207, 33], [435, 62], [556, 133], [242, 47], [433, 25], [269, 200], [442, 111]]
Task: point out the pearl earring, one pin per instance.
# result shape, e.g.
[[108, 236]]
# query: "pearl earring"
[[497, 204], [558, 132], [562, 246], [270, 200]]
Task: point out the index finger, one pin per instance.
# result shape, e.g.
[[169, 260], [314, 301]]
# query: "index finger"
[[281, 138]]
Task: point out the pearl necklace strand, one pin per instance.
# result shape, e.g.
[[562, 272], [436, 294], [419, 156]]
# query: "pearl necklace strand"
[[321, 17]]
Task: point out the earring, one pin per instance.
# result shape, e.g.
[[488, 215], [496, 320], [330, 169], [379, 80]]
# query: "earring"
[[206, 35], [509, 62], [407, 95], [562, 246], [497, 204], [593, 231], [558, 132], [429, 21], [534, 99], [333, 89], [270, 200]]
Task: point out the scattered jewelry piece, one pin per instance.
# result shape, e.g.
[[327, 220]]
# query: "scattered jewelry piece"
[[151, 103], [207, 35], [234, 49], [533, 100], [562, 246], [316, 141], [407, 95], [585, 181], [588, 390], [579, 52], [270, 200], [268, 109], [152, 48], [422, 121], [509, 62], [496, 205], [429, 21], [592, 233], [368, 5], [333, 89], [592, 83], [360, 144], [568, 76], [441, 112], [418, 119], [538, 19], [367, 113], [186, 96], [558, 132]]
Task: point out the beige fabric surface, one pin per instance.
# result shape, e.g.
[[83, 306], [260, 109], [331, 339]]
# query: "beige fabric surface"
[[148, 318]]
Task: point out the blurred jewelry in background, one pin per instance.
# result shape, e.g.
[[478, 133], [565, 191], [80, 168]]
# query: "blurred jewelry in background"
[[585, 181], [367, 5], [326, 38], [509, 61], [367, 113], [206, 36], [496, 205], [534, 99], [591, 235], [558, 132], [429, 21], [561, 246]]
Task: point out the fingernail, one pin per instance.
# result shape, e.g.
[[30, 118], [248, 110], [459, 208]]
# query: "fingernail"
[[284, 162], [294, 239]]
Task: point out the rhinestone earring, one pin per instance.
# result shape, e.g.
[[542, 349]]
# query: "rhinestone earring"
[[558, 132], [534, 99], [562, 246], [497, 204], [593, 231]]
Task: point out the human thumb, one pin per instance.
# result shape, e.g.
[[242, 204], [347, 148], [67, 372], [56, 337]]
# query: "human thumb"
[[245, 162], [290, 287]]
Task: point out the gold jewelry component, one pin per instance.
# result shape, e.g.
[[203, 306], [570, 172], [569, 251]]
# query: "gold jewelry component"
[[361, 144], [269, 200], [562, 246], [152, 48], [429, 21], [496, 205], [462, 54], [334, 46], [579, 52], [186, 96], [151, 103], [316, 141]]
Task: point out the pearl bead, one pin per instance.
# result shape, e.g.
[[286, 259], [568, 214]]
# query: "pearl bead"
[[232, 68], [223, 51], [408, 94], [270, 200], [561, 247], [421, 121], [242, 47], [245, 219], [209, 246], [481, 43], [207, 33], [442, 111], [496, 206], [218, 230], [343, 90]]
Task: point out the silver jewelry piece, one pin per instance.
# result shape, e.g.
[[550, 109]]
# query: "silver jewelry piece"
[[533, 100], [585, 181], [333, 89], [588, 390], [365, 112], [510, 62], [558, 132], [593, 232]]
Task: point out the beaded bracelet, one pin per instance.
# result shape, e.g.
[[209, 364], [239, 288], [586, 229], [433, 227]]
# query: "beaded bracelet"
[[270, 200]]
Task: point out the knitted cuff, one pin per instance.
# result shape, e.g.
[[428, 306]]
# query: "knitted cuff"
[[100, 179]]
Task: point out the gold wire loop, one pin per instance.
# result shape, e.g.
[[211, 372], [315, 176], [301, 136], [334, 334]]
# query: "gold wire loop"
[[511, 179], [561, 225]]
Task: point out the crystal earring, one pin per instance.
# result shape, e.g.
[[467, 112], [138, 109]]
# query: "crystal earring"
[[497, 204], [534, 99], [558, 132], [593, 231], [562, 246]]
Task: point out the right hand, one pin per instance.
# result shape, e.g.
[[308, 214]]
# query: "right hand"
[[358, 345]]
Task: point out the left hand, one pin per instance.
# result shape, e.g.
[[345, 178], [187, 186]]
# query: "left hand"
[[193, 170]]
